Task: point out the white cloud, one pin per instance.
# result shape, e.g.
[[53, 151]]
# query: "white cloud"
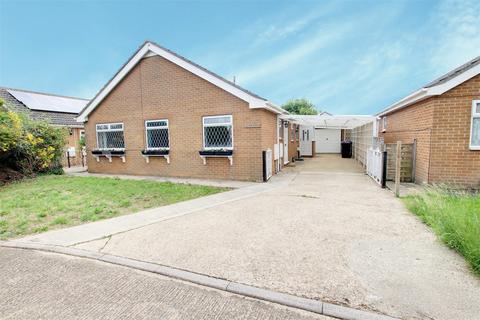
[[295, 54], [457, 36], [274, 31]]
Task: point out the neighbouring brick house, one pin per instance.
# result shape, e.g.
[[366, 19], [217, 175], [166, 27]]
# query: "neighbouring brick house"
[[57, 110], [162, 114], [443, 118]]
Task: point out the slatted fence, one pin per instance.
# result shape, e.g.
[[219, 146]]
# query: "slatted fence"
[[406, 163]]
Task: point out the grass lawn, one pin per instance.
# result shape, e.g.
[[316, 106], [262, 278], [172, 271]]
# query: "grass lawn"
[[52, 202], [455, 218]]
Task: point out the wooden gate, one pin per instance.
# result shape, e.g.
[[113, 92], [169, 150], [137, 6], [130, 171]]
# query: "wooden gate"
[[407, 165]]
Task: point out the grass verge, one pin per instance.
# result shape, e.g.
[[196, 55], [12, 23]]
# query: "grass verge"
[[52, 202], [455, 218]]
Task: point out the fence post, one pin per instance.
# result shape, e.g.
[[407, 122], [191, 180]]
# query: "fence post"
[[398, 160], [414, 159], [384, 170], [264, 163], [68, 158]]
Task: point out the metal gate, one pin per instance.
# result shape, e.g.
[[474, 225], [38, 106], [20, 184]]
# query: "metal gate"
[[375, 164]]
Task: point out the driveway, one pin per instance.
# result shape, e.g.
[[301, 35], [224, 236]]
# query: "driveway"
[[331, 233], [50, 286]]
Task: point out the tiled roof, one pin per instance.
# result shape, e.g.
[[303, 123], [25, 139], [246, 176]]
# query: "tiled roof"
[[452, 74], [55, 118]]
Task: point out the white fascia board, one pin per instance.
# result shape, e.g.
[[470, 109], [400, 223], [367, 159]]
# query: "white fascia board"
[[113, 83], [452, 83], [271, 107], [254, 102], [150, 49], [408, 100], [437, 90]]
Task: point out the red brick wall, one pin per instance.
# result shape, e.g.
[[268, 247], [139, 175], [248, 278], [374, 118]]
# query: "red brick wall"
[[72, 141], [452, 161], [159, 89], [413, 122], [441, 126]]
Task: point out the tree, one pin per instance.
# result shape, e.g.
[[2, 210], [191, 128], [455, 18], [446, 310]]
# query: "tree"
[[300, 106]]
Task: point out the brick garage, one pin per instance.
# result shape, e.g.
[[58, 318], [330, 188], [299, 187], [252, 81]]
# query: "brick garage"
[[439, 116], [163, 85]]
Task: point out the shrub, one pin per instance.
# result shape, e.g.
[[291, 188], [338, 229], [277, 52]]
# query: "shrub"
[[30, 146], [10, 130]]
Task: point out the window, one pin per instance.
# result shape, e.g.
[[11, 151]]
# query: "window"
[[384, 123], [475, 126], [110, 136], [157, 134], [218, 132], [82, 134]]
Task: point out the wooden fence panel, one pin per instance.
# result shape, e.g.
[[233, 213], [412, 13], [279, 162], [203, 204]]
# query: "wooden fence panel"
[[406, 164]]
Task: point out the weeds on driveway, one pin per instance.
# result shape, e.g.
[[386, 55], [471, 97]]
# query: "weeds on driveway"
[[51, 202], [455, 218]]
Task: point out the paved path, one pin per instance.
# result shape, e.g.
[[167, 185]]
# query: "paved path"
[[325, 232], [37, 285]]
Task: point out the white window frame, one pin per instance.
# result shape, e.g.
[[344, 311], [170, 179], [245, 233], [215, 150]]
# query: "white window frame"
[[475, 115], [157, 127], [217, 125], [384, 123], [108, 130]]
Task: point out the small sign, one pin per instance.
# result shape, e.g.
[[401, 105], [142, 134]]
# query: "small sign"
[[71, 152]]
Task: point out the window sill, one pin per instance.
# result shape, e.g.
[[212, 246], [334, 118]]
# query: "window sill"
[[216, 152], [109, 154], [155, 152], [204, 154], [147, 153]]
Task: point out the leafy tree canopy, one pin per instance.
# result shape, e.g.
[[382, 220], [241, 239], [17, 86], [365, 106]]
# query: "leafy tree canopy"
[[300, 106]]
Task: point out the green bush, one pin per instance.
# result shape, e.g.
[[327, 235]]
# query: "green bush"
[[30, 146], [455, 218]]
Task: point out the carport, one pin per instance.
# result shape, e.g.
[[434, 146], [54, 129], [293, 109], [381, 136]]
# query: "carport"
[[323, 133]]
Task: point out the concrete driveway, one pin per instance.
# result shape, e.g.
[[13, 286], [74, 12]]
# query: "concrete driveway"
[[39, 285], [331, 233]]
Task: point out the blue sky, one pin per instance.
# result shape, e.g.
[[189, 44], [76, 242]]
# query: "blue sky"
[[348, 57]]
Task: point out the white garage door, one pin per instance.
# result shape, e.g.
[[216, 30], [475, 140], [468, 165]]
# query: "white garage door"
[[327, 140]]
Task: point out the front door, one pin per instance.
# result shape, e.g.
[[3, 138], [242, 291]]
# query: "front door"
[[285, 142], [306, 141]]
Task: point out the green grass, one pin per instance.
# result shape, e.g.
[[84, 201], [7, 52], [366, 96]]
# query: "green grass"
[[52, 202], [455, 218]]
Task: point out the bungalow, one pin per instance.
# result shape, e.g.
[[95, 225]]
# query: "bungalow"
[[58, 110], [162, 114], [443, 118]]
